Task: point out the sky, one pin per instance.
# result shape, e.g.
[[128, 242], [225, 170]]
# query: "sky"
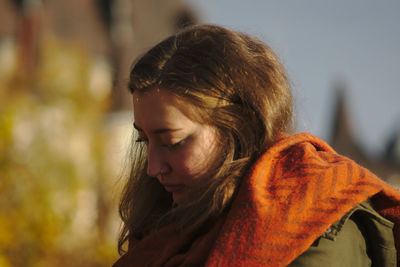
[[321, 42]]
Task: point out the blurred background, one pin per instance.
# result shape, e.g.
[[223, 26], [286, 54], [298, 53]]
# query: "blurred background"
[[65, 113]]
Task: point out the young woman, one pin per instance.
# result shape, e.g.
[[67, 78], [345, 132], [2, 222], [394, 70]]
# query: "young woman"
[[218, 181]]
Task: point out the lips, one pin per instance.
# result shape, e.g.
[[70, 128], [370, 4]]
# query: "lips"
[[173, 187]]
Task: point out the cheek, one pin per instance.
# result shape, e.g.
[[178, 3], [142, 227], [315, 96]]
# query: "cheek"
[[192, 163]]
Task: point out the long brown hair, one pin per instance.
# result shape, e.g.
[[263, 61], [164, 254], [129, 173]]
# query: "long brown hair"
[[233, 82]]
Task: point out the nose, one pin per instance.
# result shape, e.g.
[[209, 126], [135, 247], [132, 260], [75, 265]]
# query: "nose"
[[156, 163]]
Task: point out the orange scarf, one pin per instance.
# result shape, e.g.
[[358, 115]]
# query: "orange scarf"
[[294, 192]]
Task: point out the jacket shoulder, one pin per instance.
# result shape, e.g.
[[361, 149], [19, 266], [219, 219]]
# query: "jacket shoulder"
[[360, 238]]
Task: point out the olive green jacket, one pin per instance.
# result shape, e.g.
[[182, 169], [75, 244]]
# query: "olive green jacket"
[[361, 238]]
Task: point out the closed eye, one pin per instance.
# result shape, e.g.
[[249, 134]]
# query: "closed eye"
[[174, 145], [142, 140]]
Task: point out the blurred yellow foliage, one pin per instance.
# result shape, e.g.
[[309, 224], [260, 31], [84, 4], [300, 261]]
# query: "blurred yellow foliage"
[[56, 205]]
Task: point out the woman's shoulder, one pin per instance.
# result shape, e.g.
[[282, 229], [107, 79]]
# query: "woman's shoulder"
[[359, 238]]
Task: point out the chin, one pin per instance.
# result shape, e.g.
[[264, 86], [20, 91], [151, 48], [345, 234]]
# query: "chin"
[[179, 198]]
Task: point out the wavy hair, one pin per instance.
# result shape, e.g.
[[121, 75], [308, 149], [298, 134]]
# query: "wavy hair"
[[231, 81]]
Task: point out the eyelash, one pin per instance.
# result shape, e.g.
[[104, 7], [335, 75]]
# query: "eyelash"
[[168, 146], [173, 146], [142, 140]]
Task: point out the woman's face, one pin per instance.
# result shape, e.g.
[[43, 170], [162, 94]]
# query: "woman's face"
[[181, 153]]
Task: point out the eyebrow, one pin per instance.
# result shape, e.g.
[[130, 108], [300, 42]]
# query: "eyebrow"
[[156, 131]]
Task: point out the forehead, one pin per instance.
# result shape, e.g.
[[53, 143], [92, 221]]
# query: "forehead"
[[159, 108]]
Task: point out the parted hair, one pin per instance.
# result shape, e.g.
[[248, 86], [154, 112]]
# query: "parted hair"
[[231, 81]]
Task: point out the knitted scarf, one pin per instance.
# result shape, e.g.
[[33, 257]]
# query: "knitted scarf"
[[294, 192]]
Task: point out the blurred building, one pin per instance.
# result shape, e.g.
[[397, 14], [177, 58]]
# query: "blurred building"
[[344, 141], [115, 31]]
